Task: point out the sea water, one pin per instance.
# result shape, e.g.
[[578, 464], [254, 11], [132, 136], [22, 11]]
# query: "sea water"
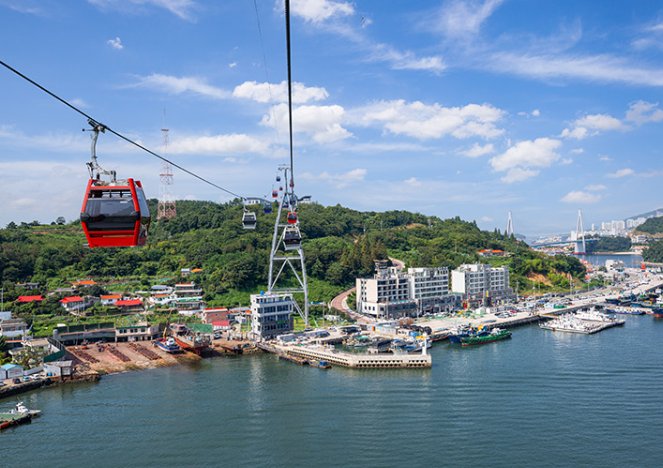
[[542, 398]]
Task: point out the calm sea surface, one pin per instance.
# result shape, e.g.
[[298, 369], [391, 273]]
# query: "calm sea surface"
[[541, 399], [629, 260]]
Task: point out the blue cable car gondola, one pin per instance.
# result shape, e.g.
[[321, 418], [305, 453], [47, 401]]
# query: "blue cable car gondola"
[[267, 208]]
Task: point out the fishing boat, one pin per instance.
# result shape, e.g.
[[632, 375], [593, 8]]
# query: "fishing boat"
[[456, 334], [594, 316], [319, 364], [17, 415], [495, 334], [405, 346], [21, 409], [358, 341], [168, 345], [569, 323], [190, 340], [625, 310]]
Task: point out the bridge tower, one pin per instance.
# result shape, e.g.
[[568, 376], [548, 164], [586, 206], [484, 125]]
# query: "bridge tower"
[[580, 248], [509, 226]]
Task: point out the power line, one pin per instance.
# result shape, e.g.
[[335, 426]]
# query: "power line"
[[94, 123]]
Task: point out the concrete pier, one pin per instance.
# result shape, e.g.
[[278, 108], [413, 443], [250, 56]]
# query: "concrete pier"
[[354, 360]]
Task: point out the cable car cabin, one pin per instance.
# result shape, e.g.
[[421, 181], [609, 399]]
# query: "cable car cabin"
[[292, 239], [292, 183], [278, 178], [292, 217], [267, 208], [115, 215], [275, 193], [249, 220]]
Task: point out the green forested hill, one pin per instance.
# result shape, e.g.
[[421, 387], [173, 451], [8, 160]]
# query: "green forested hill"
[[652, 226], [340, 245]]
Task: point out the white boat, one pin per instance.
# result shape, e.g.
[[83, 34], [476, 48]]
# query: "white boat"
[[569, 323], [20, 408], [594, 316]]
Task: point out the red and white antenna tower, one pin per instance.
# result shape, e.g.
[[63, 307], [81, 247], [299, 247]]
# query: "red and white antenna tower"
[[166, 207]]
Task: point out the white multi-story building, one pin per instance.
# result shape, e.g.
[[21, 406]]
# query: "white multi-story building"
[[271, 315], [392, 294], [481, 284]]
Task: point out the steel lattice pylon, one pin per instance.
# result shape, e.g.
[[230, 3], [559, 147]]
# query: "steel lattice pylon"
[[166, 208], [293, 257]]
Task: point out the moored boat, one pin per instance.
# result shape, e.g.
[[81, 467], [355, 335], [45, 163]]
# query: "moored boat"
[[625, 310], [319, 364], [495, 334]]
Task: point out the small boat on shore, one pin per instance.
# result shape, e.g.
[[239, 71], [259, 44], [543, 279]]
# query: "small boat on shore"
[[188, 339], [495, 334], [168, 345]]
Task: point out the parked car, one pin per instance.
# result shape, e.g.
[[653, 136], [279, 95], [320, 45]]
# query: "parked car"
[[26, 378], [16, 380]]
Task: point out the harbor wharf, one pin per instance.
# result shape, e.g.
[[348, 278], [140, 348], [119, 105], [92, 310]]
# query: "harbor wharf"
[[354, 360]]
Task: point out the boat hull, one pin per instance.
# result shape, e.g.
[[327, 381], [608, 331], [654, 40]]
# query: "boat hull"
[[478, 340]]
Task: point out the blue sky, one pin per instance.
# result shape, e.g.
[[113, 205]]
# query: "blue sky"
[[447, 108]]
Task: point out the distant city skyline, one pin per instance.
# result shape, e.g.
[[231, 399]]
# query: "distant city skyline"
[[469, 108]]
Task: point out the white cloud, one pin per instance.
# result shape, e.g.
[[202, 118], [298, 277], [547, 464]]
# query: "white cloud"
[[413, 182], [621, 173], [266, 92], [642, 112], [599, 122], [175, 85], [462, 18], [317, 11], [115, 43], [478, 150], [219, 144], [537, 153], [605, 158], [338, 180], [536, 113], [181, 8], [232, 65], [602, 68], [595, 188], [578, 151], [486, 219], [322, 122], [406, 60], [566, 161], [596, 122], [518, 174], [423, 121], [578, 133], [579, 197]]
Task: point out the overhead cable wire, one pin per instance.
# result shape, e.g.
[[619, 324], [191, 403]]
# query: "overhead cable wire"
[[94, 121], [287, 34]]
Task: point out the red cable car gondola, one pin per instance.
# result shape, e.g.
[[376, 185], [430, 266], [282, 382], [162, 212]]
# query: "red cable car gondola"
[[275, 193], [115, 215], [292, 217]]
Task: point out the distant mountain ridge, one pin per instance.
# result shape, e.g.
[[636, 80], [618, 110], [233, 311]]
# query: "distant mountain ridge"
[[654, 213]]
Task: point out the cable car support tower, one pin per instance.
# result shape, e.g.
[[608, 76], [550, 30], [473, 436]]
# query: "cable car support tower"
[[288, 234]]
